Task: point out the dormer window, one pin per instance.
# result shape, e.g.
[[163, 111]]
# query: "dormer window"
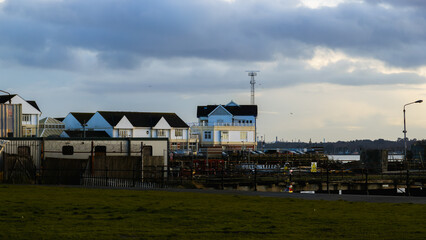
[[124, 133], [161, 133]]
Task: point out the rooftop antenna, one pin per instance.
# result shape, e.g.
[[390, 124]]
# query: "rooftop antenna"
[[252, 74]]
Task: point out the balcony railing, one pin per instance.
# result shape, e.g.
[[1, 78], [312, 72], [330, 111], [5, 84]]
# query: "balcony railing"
[[202, 124]]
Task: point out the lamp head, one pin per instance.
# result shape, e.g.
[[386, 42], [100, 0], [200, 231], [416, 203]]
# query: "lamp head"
[[419, 101]]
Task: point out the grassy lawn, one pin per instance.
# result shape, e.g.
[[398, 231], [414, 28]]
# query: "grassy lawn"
[[38, 212]]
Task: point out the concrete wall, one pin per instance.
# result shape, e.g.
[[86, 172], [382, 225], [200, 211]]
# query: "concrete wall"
[[53, 148]]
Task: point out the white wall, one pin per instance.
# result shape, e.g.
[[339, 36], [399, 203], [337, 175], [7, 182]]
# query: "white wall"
[[26, 107], [141, 132], [154, 134], [184, 134], [235, 136]]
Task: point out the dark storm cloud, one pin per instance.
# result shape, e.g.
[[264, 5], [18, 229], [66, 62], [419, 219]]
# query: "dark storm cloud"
[[44, 33]]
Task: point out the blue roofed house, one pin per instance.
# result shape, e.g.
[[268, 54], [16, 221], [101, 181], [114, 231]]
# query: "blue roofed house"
[[77, 120], [231, 126]]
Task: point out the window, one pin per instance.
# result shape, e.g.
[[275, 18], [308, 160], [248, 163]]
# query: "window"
[[24, 151], [27, 132], [26, 118], [243, 135], [147, 151], [100, 150], [178, 132], [67, 150], [225, 135], [123, 133], [207, 135], [161, 133]]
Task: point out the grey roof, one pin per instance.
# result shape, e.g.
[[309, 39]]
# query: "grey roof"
[[6, 98], [49, 120], [143, 119], [34, 104], [89, 134], [239, 110], [51, 132], [82, 118]]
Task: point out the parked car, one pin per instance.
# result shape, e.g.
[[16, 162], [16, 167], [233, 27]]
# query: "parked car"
[[182, 152]]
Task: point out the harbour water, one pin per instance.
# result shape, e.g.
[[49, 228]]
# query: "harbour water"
[[356, 157]]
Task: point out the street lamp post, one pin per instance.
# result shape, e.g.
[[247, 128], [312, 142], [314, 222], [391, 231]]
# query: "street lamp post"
[[405, 145], [10, 98]]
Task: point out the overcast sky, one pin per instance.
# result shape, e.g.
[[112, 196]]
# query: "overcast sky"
[[333, 70]]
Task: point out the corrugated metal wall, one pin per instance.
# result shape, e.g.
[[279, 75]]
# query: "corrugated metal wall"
[[10, 120]]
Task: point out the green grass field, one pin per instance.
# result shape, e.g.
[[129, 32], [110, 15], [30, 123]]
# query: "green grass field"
[[38, 212]]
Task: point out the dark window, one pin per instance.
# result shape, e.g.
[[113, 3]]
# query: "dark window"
[[24, 151], [147, 150], [67, 150], [100, 150]]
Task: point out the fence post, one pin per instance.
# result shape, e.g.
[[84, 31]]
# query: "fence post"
[[328, 180], [133, 176], [366, 181], [181, 176], [35, 176], [407, 182], [223, 185], [106, 176], [163, 178], [192, 170], [255, 179], [142, 175]]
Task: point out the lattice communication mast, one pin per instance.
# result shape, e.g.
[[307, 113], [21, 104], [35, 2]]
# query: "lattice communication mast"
[[252, 74]]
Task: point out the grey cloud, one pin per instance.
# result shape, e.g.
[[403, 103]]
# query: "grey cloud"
[[399, 3], [123, 33]]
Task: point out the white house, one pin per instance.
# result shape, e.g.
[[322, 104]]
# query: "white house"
[[30, 114], [136, 125], [231, 126]]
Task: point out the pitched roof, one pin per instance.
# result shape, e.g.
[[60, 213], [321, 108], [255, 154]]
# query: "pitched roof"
[[51, 132], [143, 119], [6, 98], [34, 104], [89, 134], [49, 120], [239, 110], [82, 117]]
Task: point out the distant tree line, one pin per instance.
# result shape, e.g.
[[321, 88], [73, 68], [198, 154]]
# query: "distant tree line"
[[344, 147]]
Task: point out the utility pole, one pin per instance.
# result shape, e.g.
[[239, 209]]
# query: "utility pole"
[[252, 74]]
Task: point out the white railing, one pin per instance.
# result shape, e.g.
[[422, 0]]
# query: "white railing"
[[197, 124]]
